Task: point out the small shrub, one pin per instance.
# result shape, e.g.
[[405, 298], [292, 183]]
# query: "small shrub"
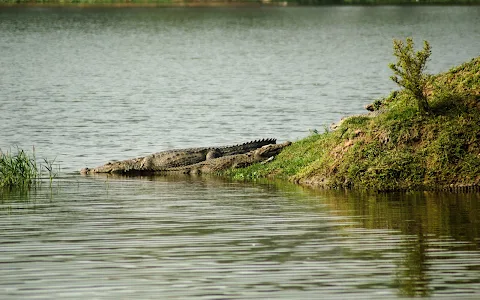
[[409, 70]]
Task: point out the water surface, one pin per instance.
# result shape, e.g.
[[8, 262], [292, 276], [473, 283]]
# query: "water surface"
[[204, 238], [90, 85], [85, 86]]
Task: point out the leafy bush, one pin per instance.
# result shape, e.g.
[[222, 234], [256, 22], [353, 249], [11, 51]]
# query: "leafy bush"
[[409, 70]]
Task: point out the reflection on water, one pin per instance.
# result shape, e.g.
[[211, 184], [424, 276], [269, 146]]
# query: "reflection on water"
[[189, 238], [439, 231]]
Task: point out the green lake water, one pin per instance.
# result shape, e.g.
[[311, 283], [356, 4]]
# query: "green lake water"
[[85, 86]]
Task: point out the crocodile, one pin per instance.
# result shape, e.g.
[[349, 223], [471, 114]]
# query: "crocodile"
[[215, 165], [175, 158]]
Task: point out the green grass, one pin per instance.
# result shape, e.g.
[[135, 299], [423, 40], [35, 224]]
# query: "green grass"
[[17, 170], [397, 149]]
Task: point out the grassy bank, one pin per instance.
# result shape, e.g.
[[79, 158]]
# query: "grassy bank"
[[128, 3], [395, 147]]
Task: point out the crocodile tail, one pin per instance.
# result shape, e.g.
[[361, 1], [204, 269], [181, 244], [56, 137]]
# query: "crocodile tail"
[[246, 147]]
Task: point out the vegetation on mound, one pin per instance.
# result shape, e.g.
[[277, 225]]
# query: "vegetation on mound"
[[396, 147]]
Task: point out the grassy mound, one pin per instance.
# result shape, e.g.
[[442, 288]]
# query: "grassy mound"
[[395, 147]]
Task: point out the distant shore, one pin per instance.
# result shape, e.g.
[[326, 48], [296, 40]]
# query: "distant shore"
[[150, 3], [224, 3]]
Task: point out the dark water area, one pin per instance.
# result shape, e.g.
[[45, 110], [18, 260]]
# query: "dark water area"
[[206, 238], [84, 86]]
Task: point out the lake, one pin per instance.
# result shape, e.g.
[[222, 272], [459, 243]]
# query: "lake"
[[85, 86]]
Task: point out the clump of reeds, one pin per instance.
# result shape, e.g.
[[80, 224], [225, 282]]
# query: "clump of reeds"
[[17, 170]]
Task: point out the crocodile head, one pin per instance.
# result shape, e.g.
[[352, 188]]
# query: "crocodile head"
[[109, 167], [115, 167], [271, 150]]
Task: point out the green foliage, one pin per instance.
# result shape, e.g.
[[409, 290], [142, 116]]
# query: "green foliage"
[[20, 171], [409, 70], [395, 148], [17, 170]]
